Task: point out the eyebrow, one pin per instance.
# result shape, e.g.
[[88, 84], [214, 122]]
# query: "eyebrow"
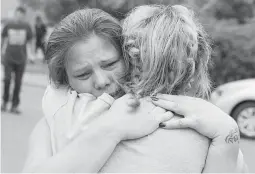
[[109, 60], [81, 70]]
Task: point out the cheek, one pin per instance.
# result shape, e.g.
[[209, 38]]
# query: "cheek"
[[81, 86]]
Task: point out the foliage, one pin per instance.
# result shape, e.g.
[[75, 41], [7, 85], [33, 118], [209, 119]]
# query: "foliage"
[[55, 10], [230, 23], [240, 10], [234, 53]]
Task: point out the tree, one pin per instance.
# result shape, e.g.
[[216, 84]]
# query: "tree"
[[241, 10], [55, 10]]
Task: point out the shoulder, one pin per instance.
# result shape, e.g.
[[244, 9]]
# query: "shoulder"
[[183, 138], [53, 99], [186, 146], [8, 24], [187, 139]]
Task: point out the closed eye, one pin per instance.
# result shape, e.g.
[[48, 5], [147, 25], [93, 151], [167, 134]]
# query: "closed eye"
[[84, 75], [110, 65]]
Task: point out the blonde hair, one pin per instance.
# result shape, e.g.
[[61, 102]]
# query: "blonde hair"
[[165, 50]]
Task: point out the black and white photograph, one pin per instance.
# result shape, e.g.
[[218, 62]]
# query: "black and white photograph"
[[127, 86]]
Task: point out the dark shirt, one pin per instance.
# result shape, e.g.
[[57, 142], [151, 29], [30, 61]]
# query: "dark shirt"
[[40, 30], [18, 34]]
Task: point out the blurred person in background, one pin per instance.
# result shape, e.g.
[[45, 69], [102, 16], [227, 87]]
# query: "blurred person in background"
[[16, 42], [40, 31]]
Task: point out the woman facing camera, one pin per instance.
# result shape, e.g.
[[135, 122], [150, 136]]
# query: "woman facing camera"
[[91, 126]]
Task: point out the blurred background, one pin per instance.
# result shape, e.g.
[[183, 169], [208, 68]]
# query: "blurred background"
[[230, 24]]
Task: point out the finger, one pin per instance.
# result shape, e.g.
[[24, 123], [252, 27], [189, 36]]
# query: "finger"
[[158, 110], [170, 106], [165, 116], [174, 98], [179, 124]]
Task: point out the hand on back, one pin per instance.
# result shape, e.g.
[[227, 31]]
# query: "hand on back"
[[200, 115], [132, 122]]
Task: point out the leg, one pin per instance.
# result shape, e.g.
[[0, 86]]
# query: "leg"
[[19, 71], [7, 81]]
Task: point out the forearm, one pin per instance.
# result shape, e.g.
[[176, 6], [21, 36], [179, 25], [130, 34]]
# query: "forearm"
[[222, 159], [225, 156], [29, 47], [87, 153], [3, 43]]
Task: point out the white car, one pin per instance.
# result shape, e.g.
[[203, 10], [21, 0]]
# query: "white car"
[[238, 100]]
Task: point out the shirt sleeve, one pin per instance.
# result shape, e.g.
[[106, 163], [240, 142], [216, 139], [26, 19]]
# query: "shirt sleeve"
[[53, 99], [5, 31]]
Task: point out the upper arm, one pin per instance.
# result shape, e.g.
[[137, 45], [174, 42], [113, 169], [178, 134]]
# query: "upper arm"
[[39, 146]]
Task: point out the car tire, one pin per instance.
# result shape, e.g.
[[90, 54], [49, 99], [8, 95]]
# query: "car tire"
[[240, 118]]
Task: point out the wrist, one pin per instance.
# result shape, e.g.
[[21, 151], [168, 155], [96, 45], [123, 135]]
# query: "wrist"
[[228, 140], [226, 151]]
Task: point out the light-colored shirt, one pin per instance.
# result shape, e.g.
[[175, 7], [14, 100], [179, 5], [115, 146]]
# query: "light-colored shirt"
[[179, 150]]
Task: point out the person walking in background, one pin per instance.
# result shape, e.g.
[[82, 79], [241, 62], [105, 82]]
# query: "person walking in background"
[[40, 31], [16, 42]]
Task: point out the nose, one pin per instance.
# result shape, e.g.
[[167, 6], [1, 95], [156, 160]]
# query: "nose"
[[101, 80]]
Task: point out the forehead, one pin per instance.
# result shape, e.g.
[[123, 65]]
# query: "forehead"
[[93, 50]]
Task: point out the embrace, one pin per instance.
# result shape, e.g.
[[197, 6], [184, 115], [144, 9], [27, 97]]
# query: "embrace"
[[131, 97]]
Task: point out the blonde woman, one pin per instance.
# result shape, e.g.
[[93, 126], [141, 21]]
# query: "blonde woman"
[[84, 59]]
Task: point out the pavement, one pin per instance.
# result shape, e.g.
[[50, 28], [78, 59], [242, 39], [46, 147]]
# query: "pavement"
[[15, 129]]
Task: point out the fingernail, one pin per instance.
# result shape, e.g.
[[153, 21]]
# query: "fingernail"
[[154, 98], [162, 125]]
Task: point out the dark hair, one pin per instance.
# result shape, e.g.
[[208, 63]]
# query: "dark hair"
[[79, 25], [21, 9], [38, 18]]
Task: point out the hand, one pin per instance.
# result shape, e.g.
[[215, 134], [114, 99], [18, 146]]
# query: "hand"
[[31, 56], [134, 122], [200, 115]]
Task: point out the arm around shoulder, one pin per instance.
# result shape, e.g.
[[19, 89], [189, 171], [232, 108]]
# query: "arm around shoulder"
[[87, 153]]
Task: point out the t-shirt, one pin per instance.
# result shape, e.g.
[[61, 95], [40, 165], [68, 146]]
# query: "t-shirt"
[[17, 34]]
